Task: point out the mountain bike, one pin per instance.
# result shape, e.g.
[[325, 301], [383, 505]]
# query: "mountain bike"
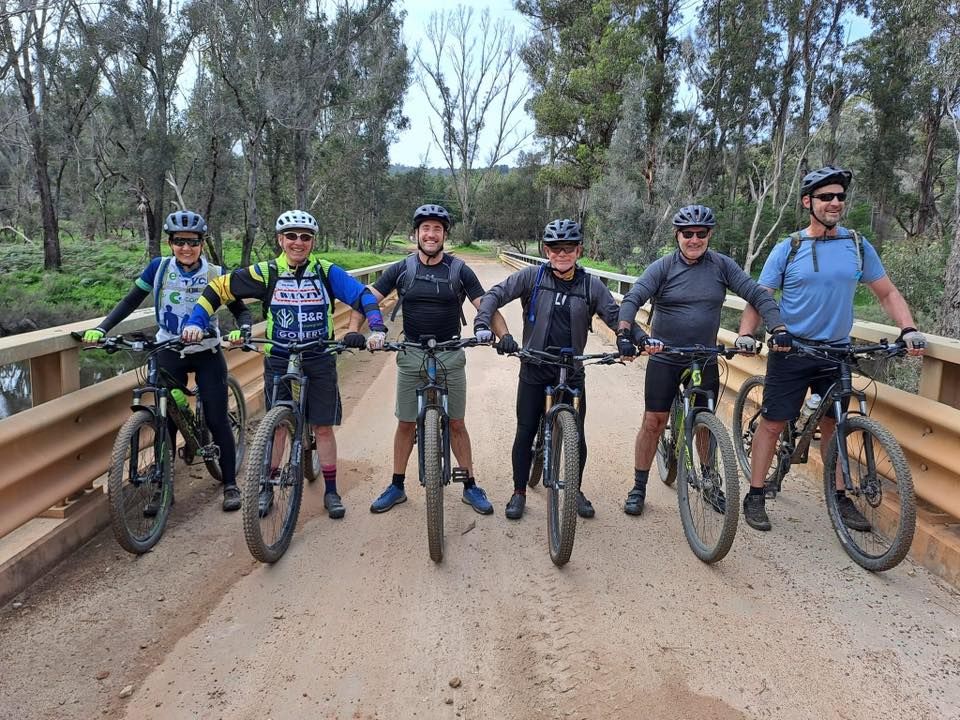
[[871, 463], [696, 448], [433, 432], [139, 480], [556, 449], [281, 451]]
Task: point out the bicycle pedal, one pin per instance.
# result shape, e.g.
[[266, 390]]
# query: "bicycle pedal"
[[459, 475]]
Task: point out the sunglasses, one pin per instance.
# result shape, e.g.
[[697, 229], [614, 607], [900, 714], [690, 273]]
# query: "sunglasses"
[[302, 237], [192, 242], [562, 249], [689, 234], [828, 197]]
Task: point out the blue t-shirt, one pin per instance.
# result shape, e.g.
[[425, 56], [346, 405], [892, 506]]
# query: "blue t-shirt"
[[818, 305]]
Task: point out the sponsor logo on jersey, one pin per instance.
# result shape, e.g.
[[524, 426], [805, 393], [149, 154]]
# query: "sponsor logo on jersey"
[[285, 317]]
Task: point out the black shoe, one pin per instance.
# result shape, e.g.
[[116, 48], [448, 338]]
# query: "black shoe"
[[516, 505], [231, 498], [334, 506], [634, 503], [584, 508], [755, 513], [265, 500], [851, 515]]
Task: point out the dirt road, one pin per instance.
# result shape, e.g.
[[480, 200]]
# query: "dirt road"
[[357, 622]]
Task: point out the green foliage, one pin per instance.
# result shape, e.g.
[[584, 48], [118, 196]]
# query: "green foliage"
[[915, 266]]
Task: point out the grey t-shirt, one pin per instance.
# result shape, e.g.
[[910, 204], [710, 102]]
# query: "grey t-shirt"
[[688, 298]]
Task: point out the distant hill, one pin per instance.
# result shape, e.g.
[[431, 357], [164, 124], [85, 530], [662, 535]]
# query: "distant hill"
[[400, 169]]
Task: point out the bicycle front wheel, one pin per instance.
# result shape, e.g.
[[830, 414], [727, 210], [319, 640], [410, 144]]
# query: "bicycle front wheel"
[[564, 487], [746, 420], [666, 445], [433, 481], [237, 417], [536, 463], [882, 494], [139, 483], [709, 490], [272, 486]]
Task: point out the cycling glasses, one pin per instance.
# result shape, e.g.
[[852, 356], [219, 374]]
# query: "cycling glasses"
[[562, 249], [192, 242], [828, 197], [689, 234], [302, 237]]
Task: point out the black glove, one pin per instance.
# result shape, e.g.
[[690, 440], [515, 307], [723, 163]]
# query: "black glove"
[[355, 340], [625, 345], [781, 338], [507, 345]]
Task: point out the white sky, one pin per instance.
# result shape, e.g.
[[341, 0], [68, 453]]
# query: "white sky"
[[415, 145]]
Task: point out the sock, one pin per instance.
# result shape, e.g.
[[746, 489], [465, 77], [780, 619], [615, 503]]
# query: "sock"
[[398, 479], [469, 483], [520, 488], [640, 478], [841, 493], [329, 478], [757, 491]]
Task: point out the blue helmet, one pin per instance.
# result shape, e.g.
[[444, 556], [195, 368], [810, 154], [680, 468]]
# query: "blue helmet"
[[558, 231], [694, 216], [432, 212], [185, 221]]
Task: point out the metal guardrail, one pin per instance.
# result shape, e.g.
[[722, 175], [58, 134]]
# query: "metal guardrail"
[[63, 443], [927, 425]]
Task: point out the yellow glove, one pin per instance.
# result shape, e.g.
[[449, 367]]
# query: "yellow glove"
[[93, 336]]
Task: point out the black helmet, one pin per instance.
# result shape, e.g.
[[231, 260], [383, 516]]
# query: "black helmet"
[[558, 231], [185, 221], [694, 216], [827, 175], [432, 212]]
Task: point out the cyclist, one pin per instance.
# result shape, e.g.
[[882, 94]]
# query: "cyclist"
[[297, 290], [559, 299], [432, 286], [687, 288], [818, 270], [176, 284]]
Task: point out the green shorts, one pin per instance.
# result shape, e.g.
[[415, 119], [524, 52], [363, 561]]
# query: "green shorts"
[[451, 368]]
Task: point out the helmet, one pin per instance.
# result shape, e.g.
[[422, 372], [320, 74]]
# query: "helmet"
[[827, 175], [432, 212], [297, 219], [694, 216], [185, 221], [558, 231]]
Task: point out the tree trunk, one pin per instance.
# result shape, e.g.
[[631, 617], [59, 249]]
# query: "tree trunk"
[[931, 130], [949, 319], [253, 218]]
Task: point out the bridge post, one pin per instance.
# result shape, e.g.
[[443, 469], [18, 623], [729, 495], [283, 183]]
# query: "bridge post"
[[940, 381], [54, 375]]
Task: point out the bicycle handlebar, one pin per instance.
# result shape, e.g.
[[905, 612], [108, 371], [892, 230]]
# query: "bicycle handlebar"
[[138, 343], [727, 352], [565, 357], [839, 354], [431, 344], [330, 346]]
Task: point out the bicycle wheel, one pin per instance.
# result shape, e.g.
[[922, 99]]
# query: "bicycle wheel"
[[709, 490], [140, 476], [311, 460], [746, 419], [237, 417], [666, 445], [433, 481], [536, 463], [272, 470], [882, 492], [564, 486]]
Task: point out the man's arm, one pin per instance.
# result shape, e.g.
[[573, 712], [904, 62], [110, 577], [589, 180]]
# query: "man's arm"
[[497, 322], [643, 289], [895, 306], [750, 320], [502, 293]]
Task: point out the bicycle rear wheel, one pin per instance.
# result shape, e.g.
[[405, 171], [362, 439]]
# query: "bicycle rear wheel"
[[139, 483], [564, 487], [536, 464], [274, 471], [237, 417], [746, 419], [666, 445], [882, 492], [433, 481], [709, 490]]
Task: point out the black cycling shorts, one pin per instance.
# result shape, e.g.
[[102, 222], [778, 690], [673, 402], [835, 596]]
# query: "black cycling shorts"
[[323, 394], [663, 378], [789, 375]]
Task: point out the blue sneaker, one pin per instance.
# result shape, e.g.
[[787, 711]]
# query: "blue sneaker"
[[393, 495], [476, 498]]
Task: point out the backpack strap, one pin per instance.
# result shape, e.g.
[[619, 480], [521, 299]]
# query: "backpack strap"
[[796, 239], [158, 286], [408, 276], [858, 245], [456, 285]]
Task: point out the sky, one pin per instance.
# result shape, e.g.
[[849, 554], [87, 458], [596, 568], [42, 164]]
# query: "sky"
[[415, 145]]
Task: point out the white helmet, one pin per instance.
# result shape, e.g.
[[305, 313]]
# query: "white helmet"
[[297, 219]]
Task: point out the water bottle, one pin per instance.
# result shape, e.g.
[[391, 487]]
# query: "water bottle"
[[183, 406], [809, 408]]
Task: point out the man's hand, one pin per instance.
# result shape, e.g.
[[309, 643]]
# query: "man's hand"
[[652, 346], [625, 346], [239, 336], [915, 340], [782, 341], [507, 345], [747, 344], [93, 336], [376, 340], [191, 334], [483, 334], [355, 340]]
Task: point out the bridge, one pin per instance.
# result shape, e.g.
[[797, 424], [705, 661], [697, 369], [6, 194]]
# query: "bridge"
[[355, 621]]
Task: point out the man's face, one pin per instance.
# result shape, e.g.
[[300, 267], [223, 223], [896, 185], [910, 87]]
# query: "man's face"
[[563, 256], [296, 244], [430, 236], [694, 241], [827, 203]]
